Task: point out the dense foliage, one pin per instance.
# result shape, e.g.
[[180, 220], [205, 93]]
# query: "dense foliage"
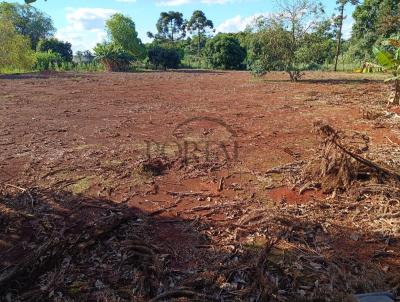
[[15, 49], [299, 36], [270, 50], [164, 57], [199, 24], [389, 60], [170, 27], [56, 46], [28, 21], [282, 42], [123, 46], [122, 33], [375, 21], [224, 52], [113, 56], [48, 60]]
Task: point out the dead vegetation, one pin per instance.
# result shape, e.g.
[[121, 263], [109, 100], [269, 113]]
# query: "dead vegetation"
[[342, 161], [87, 217]]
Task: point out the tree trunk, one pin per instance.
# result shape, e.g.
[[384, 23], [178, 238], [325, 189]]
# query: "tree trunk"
[[396, 93], [172, 31], [292, 76], [339, 36], [198, 48]]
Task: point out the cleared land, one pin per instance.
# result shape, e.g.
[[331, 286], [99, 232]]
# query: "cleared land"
[[127, 186]]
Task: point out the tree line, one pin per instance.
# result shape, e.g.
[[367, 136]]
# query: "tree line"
[[299, 37]]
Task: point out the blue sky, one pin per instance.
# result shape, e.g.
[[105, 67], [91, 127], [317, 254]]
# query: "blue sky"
[[81, 22]]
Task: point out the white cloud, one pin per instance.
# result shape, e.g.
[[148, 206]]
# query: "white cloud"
[[85, 27], [238, 23], [126, 1], [348, 27], [182, 2], [171, 2]]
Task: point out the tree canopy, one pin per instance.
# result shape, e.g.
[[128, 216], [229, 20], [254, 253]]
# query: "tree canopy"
[[56, 46], [165, 57], [15, 49], [122, 32], [282, 42], [224, 52], [199, 23], [375, 21], [28, 21], [171, 26], [296, 37]]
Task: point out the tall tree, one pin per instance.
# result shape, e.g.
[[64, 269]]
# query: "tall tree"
[[199, 23], [15, 50], [122, 32], [28, 21], [375, 21], [339, 26], [295, 19], [299, 16], [170, 26]]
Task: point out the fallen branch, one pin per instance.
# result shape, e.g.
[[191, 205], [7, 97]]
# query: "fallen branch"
[[333, 135], [369, 163], [192, 194], [286, 168]]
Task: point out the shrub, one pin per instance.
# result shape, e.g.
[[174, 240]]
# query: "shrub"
[[224, 52], [56, 46], [164, 57], [113, 57], [48, 61]]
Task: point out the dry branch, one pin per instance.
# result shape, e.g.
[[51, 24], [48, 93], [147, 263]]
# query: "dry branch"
[[193, 194], [332, 135], [340, 161]]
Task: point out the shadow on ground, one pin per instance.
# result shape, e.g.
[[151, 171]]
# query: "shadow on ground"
[[57, 246]]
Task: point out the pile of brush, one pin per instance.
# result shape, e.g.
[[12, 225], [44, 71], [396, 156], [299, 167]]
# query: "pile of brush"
[[342, 161]]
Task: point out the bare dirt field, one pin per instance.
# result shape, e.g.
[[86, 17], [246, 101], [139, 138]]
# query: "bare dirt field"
[[190, 186]]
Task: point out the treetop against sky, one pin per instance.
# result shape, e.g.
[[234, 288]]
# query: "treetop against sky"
[[81, 22]]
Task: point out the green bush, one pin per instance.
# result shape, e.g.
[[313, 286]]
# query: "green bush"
[[224, 52], [164, 57], [113, 57], [48, 61], [56, 46]]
